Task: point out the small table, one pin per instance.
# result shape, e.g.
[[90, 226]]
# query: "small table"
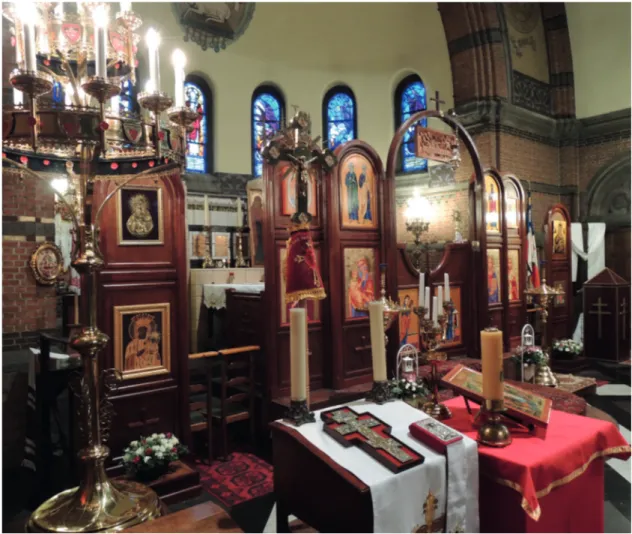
[[205, 517]]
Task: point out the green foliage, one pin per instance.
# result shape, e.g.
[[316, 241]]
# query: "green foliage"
[[153, 452]]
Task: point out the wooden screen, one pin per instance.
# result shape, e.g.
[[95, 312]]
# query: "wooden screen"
[[142, 305], [557, 250]]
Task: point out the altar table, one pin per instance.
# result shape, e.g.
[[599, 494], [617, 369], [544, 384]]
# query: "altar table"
[[214, 295], [552, 482]]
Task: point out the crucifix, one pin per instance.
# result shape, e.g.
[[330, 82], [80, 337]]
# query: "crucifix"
[[437, 100], [624, 317], [599, 312]]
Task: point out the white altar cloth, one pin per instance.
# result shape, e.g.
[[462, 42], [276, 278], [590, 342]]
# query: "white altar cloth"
[[398, 498], [214, 295]]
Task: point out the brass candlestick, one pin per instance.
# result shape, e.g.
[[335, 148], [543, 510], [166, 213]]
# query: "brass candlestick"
[[157, 102], [493, 431], [241, 262], [207, 263], [298, 413]]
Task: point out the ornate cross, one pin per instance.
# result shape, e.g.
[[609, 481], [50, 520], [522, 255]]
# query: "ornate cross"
[[599, 312], [624, 316], [437, 100]]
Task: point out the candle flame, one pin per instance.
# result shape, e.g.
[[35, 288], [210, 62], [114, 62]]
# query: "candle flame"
[[152, 38], [178, 58]]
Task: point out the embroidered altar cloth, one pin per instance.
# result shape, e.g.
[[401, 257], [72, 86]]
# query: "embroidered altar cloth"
[[214, 295], [407, 501]]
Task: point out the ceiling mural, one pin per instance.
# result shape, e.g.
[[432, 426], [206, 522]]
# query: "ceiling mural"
[[214, 25]]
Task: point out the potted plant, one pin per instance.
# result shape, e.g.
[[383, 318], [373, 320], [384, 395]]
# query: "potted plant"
[[412, 392], [148, 458], [567, 349], [532, 357]]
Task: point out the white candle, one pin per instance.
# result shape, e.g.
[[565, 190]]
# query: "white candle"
[[18, 98], [298, 354], [378, 350], [100, 15], [207, 215], [422, 284], [435, 308], [440, 298], [126, 6], [28, 13], [446, 283], [240, 217], [152, 39], [427, 302], [179, 61]]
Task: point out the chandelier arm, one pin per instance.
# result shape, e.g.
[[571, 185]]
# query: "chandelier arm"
[[143, 174], [28, 171]]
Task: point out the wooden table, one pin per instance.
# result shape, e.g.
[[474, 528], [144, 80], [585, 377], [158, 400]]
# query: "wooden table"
[[325, 496], [205, 517]]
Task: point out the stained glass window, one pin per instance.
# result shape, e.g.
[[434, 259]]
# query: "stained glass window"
[[267, 117], [57, 94], [126, 102], [197, 137], [410, 97], [339, 116]]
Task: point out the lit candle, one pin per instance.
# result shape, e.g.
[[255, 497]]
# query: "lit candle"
[[446, 283], [492, 361], [422, 284], [440, 298], [179, 60], [298, 354], [435, 308], [100, 16], [378, 350], [126, 6], [240, 217], [28, 13], [153, 43], [427, 301], [207, 215]]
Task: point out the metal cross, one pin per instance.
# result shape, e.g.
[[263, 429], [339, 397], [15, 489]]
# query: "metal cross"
[[437, 100], [599, 313], [624, 314], [352, 424]]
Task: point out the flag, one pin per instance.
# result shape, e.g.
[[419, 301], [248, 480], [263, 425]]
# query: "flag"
[[532, 251]]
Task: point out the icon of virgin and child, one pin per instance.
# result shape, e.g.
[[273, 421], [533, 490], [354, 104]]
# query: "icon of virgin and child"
[[360, 289], [359, 207], [143, 349]]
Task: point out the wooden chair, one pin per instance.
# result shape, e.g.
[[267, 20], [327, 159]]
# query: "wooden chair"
[[235, 384]]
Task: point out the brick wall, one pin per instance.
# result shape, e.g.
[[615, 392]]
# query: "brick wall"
[[27, 207]]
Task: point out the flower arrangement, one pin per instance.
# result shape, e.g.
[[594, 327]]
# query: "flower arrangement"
[[150, 457], [568, 346], [532, 355], [406, 389]]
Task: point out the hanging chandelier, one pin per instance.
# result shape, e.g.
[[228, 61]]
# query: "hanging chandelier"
[[72, 61]]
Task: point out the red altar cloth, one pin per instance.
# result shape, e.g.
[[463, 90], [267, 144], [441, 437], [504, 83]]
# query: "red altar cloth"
[[555, 477]]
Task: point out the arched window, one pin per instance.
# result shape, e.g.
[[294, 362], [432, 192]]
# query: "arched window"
[[339, 116], [410, 97], [268, 111], [198, 98]]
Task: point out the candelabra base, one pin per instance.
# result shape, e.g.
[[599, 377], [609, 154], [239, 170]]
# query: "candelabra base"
[[436, 410], [298, 413], [112, 506], [493, 431], [380, 392]]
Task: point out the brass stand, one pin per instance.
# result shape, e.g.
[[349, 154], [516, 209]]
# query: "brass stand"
[[241, 262], [493, 431], [298, 413], [156, 102]]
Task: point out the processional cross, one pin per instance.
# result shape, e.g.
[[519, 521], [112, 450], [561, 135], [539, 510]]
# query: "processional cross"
[[599, 312], [437, 100]]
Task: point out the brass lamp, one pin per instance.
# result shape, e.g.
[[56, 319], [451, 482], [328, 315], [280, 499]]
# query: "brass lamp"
[[417, 217]]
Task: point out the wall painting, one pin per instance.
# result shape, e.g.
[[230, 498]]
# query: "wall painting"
[[493, 276], [358, 190], [360, 280]]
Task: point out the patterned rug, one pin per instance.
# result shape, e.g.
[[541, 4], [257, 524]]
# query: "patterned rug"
[[240, 478]]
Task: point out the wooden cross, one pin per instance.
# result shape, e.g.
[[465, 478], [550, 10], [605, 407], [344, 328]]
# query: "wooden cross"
[[437, 100], [599, 313], [624, 314]]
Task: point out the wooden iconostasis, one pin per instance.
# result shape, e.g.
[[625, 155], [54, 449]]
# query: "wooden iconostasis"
[[349, 207]]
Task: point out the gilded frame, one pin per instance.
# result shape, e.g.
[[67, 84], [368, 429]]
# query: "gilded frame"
[[159, 213], [40, 277], [165, 339]]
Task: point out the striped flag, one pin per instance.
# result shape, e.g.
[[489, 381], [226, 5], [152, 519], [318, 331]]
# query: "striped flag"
[[532, 251]]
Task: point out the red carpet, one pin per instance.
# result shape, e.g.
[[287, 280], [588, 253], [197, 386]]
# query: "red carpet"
[[240, 478]]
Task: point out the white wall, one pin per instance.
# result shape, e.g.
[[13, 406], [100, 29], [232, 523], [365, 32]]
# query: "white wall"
[[305, 48], [600, 44]]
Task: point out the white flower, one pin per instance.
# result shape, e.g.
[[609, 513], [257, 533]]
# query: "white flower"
[[159, 454], [154, 436], [147, 458], [139, 451], [161, 436], [134, 444]]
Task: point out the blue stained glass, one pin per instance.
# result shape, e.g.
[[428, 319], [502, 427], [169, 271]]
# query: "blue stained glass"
[[413, 99], [57, 93], [126, 100], [340, 119], [266, 112], [197, 137]]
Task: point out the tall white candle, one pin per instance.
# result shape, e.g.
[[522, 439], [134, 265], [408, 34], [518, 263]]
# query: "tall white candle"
[[28, 14], [100, 15], [179, 61], [446, 283], [440, 299], [435, 308], [207, 215], [298, 354], [427, 301], [126, 6], [152, 38], [378, 350], [422, 284]]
